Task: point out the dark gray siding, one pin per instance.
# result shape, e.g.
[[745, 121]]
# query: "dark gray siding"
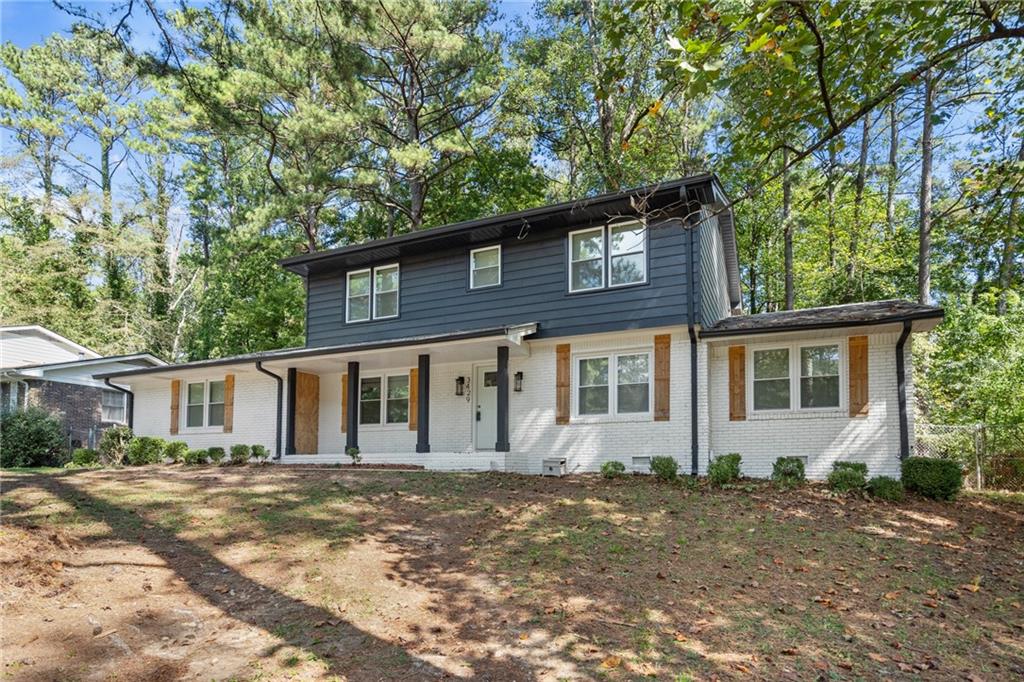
[[714, 279], [435, 295]]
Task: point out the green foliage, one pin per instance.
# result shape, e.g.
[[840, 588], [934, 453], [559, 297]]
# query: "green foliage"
[[32, 438], [613, 469], [665, 468], [847, 477], [788, 472], [939, 479], [240, 454], [860, 467], [196, 456], [114, 445], [260, 453], [354, 454], [85, 457], [885, 488], [176, 450], [215, 454], [146, 450], [725, 469]]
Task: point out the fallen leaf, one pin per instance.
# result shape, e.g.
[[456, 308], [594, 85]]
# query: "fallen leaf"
[[970, 587], [890, 595], [611, 662]]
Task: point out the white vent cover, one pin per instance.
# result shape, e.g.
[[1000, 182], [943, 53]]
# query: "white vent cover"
[[641, 465]]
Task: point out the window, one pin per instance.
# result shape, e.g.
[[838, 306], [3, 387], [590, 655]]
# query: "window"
[[819, 376], [621, 249], [372, 294], [384, 400], [614, 384], [485, 267], [113, 406], [771, 379], [204, 404]]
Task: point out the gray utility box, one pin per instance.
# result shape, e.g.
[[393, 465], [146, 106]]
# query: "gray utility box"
[[554, 467]]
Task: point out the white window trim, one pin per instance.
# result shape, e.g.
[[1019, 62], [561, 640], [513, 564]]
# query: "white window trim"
[[472, 270], [124, 407], [384, 424], [642, 252], [794, 377], [396, 290], [206, 426], [613, 380], [348, 295], [604, 257]]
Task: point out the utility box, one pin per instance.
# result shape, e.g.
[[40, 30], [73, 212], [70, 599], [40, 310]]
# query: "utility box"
[[554, 466], [641, 465]]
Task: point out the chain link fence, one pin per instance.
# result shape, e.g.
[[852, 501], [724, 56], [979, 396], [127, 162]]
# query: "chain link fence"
[[992, 455]]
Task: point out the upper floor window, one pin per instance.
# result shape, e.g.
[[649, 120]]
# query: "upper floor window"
[[372, 293], [610, 256], [204, 404], [809, 373], [485, 267], [113, 406]]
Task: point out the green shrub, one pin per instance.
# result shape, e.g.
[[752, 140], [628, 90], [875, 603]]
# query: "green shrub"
[[939, 479], [859, 467], [176, 450], [215, 454], [146, 450], [240, 454], [613, 469], [196, 456], [725, 469], [847, 477], [354, 454], [84, 457], [665, 468], [114, 445], [788, 472], [885, 488], [260, 452], [32, 438]]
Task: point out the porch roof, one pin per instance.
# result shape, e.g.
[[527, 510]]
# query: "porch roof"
[[511, 334]]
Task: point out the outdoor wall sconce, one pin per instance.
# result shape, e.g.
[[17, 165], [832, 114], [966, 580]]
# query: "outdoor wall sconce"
[[460, 386], [518, 382]]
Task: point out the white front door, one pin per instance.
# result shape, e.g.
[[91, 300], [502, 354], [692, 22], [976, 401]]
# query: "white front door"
[[485, 392]]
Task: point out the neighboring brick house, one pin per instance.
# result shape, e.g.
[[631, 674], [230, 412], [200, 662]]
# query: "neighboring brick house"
[[41, 368]]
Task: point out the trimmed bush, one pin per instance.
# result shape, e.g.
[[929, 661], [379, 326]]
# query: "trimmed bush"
[[885, 488], [240, 454], [260, 452], [939, 479], [664, 468], [32, 438], [176, 451], [85, 457], [725, 469], [788, 472], [215, 454], [847, 477], [859, 467], [114, 445], [196, 456], [146, 450], [613, 469]]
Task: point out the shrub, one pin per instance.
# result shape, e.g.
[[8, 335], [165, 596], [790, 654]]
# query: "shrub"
[[665, 468], [114, 445], [354, 454], [788, 472], [176, 451], [613, 469], [146, 450], [847, 477], [32, 438], [196, 456], [939, 479], [885, 488], [84, 457], [260, 452], [240, 453], [725, 469], [216, 454], [859, 467]]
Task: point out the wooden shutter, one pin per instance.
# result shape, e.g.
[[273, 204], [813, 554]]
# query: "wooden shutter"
[[858, 355], [662, 367], [175, 405], [563, 383], [737, 383], [229, 403], [344, 403], [414, 396]]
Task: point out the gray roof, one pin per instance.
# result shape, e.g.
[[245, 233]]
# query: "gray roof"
[[847, 315]]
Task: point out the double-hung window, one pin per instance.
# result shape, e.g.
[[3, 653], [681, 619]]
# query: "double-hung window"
[[797, 376], [819, 376], [613, 384], [771, 379], [485, 267], [113, 406], [204, 404], [384, 399], [610, 256], [372, 293]]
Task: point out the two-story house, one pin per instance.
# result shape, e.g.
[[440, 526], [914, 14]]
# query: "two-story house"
[[608, 328]]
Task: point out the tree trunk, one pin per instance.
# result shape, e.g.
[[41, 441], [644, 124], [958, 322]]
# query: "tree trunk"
[[787, 229], [830, 179], [924, 271], [116, 285], [1009, 239], [858, 200], [893, 172]]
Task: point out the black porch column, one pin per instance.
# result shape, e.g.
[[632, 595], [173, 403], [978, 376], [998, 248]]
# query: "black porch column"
[[289, 439], [352, 418], [423, 404], [502, 445]]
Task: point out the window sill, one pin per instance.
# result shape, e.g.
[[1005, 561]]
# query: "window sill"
[[404, 426], [202, 429], [612, 419], [824, 413]]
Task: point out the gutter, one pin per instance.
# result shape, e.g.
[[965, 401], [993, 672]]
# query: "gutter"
[[901, 390], [280, 400], [691, 328], [129, 401]]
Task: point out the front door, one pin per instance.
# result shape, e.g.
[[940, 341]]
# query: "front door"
[[485, 390]]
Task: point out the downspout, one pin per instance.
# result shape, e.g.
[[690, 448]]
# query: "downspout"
[[901, 390], [129, 401], [280, 405], [691, 327]]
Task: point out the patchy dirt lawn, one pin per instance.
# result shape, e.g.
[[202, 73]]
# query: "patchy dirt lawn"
[[269, 573]]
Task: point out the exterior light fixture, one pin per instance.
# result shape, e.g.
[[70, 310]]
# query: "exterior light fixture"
[[460, 386], [519, 382]]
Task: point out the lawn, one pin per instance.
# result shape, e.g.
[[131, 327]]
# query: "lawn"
[[164, 573]]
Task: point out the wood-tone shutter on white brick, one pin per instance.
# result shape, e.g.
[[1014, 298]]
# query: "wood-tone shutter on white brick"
[[229, 403], [737, 383], [344, 403], [858, 359], [414, 397], [563, 383], [175, 405], [662, 374]]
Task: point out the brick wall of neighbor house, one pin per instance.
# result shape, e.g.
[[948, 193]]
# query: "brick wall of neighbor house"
[[80, 407], [822, 438]]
